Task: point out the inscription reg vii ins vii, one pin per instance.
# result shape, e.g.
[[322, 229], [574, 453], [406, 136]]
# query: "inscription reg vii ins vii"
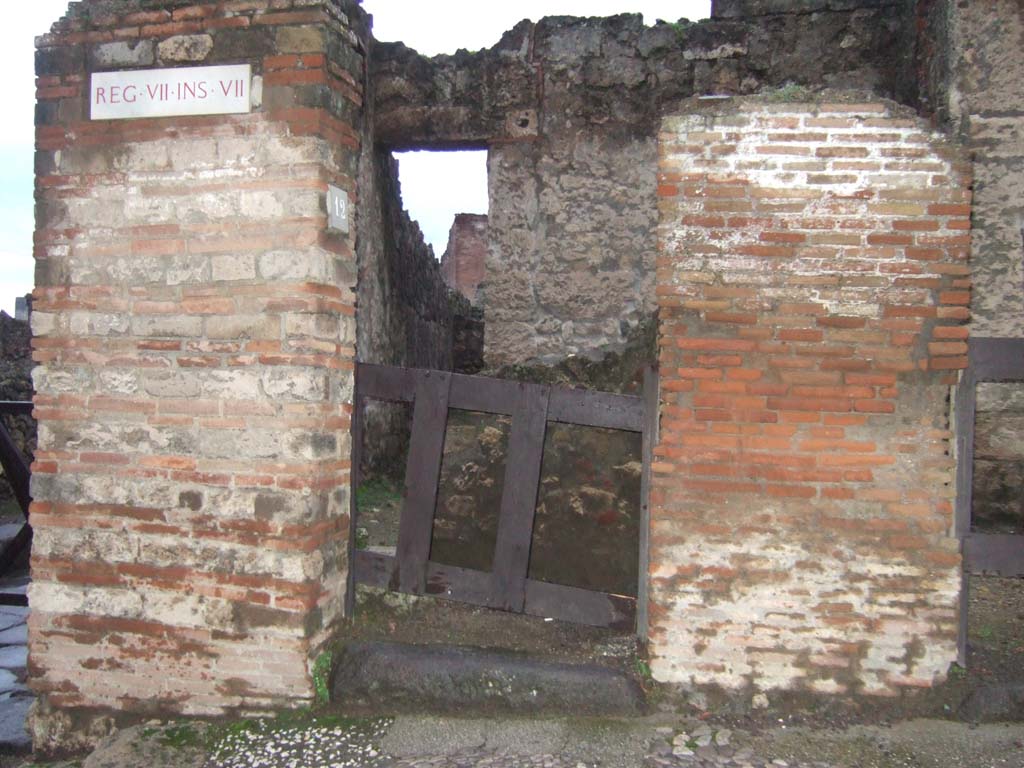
[[221, 90]]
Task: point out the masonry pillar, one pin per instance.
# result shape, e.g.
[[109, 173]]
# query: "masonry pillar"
[[813, 290], [194, 341]]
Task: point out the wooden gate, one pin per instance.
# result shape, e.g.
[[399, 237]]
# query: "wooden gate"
[[996, 554], [531, 406]]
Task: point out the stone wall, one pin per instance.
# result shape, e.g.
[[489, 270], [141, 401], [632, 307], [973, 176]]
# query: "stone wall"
[[985, 107], [194, 334], [972, 78], [569, 109], [464, 262], [813, 290], [404, 313]]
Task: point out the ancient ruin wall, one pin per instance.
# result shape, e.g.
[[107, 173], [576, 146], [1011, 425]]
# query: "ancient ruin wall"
[[403, 310], [978, 94], [985, 108], [464, 262], [813, 290], [569, 109], [194, 334]]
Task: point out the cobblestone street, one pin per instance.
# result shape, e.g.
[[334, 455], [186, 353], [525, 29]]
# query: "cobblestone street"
[[656, 742]]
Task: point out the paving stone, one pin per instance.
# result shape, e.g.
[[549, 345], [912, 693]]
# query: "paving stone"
[[14, 635], [7, 621], [13, 735], [15, 612], [17, 585], [13, 657], [8, 680]]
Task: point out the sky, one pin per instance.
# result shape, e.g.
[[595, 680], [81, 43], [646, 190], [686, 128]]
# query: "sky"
[[441, 26]]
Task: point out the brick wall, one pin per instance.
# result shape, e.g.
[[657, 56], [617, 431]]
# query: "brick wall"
[[194, 338], [569, 109], [813, 291], [464, 262]]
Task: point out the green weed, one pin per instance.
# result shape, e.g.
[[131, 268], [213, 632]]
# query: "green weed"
[[376, 493], [322, 674]]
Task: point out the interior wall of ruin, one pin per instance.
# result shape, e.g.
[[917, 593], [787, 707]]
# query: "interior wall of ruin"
[[404, 311], [568, 108]]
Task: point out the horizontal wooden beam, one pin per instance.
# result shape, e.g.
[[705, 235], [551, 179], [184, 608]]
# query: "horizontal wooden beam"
[[994, 554], [580, 606], [996, 359], [597, 409], [489, 395], [384, 382], [555, 601]]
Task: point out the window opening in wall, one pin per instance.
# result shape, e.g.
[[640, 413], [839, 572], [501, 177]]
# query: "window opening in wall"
[[437, 185]]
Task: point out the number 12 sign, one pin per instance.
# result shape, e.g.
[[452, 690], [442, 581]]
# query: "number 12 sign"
[[222, 90]]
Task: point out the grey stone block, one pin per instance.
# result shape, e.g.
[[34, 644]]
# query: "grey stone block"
[[408, 678]]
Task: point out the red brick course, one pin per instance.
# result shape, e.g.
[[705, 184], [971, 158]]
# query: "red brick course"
[[801, 515]]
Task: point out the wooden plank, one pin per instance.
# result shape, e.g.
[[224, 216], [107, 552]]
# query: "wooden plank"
[[355, 477], [446, 581], [652, 413], [519, 498], [579, 606], [542, 599], [996, 359], [453, 583], [16, 469], [422, 471], [481, 393], [994, 554], [372, 568], [597, 409], [961, 639], [16, 407], [385, 382], [964, 413]]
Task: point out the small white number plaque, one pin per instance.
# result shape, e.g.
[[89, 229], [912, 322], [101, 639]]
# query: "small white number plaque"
[[337, 209], [180, 91]]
